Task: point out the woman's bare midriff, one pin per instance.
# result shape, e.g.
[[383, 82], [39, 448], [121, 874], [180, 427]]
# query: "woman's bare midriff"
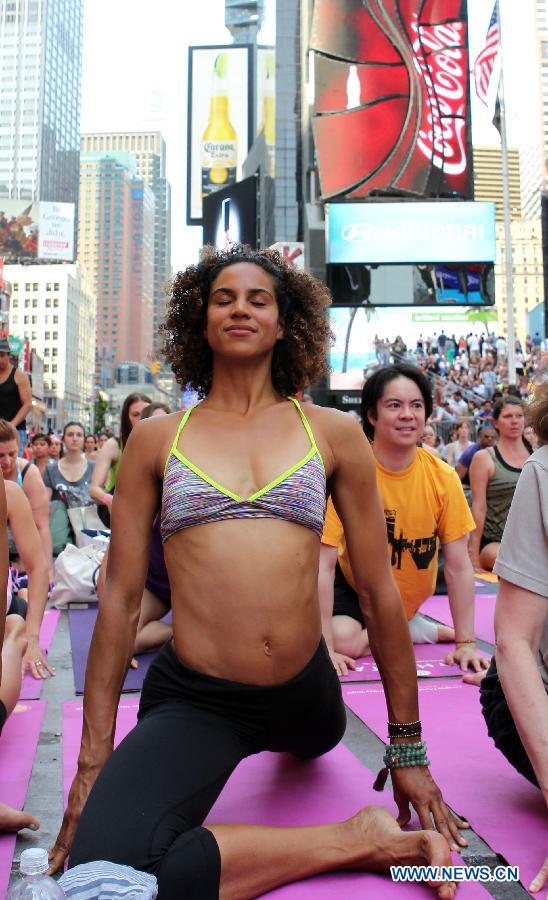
[[244, 598]]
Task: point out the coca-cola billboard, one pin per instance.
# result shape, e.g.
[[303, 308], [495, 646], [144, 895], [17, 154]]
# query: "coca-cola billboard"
[[391, 110]]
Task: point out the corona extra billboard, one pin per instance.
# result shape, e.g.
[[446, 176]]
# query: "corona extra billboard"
[[391, 111]]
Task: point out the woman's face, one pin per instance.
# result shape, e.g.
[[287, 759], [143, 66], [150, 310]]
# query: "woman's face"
[[73, 438], [102, 439], [40, 449], [511, 421], [8, 455], [243, 322], [429, 436], [463, 431], [135, 410], [89, 444], [55, 447], [531, 436]]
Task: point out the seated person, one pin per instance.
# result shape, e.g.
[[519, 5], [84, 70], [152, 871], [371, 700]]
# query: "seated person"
[[487, 437], [12, 647], [494, 473], [27, 476], [29, 549], [40, 444], [423, 503], [69, 478], [514, 691]]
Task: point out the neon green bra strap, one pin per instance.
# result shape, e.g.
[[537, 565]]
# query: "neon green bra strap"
[[306, 425], [182, 424]]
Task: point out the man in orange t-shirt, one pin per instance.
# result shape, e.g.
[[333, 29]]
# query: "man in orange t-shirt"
[[424, 505]]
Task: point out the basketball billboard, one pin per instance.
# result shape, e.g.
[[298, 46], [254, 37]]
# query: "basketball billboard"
[[391, 112]]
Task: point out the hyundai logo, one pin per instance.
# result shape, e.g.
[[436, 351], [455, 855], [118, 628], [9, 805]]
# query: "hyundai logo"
[[356, 233]]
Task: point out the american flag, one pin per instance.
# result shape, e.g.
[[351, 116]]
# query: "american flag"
[[485, 61]]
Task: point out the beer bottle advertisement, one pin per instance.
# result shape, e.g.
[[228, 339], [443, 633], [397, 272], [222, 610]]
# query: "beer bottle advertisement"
[[266, 102], [219, 121], [219, 156]]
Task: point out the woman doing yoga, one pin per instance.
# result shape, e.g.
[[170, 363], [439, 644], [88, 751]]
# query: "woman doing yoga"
[[494, 473], [240, 482]]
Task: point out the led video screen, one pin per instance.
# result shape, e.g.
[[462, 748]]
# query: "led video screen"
[[393, 232], [424, 284], [230, 215]]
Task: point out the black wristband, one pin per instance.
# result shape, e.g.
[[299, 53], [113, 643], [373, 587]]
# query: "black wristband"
[[404, 729]]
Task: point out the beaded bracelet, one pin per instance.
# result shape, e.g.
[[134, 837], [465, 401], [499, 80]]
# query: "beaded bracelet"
[[399, 756], [404, 729]]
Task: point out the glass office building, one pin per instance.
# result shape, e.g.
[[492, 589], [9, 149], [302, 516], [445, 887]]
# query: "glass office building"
[[40, 87]]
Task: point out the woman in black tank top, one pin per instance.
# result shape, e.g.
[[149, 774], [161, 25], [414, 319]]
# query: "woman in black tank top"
[[494, 473]]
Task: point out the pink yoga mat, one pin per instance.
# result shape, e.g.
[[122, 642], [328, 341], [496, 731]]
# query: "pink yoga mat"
[[438, 608], [476, 780], [31, 688], [430, 664], [17, 750], [276, 789]]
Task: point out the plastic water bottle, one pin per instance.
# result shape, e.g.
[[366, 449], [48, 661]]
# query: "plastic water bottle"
[[34, 883]]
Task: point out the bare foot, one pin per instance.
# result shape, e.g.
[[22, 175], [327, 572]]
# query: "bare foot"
[[383, 844], [12, 820]]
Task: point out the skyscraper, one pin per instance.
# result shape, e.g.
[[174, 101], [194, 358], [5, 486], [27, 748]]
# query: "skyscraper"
[[149, 151], [488, 179], [116, 248], [40, 82]]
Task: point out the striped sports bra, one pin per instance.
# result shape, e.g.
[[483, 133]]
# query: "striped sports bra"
[[190, 497]]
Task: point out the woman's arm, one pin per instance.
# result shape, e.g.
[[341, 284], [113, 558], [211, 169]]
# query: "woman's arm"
[[358, 503], [135, 505], [481, 470], [519, 623], [4, 563], [37, 495], [30, 549], [108, 455]]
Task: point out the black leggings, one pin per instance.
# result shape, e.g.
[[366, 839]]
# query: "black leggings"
[[500, 724], [151, 797]]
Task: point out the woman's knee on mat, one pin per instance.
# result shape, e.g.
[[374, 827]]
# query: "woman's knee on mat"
[[348, 636]]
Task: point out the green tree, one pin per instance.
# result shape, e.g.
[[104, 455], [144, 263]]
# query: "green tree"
[[101, 407]]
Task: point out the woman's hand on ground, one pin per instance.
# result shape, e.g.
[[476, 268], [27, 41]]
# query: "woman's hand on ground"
[[81, 786], [540, 880], [35, 662], [467, 657], [415, 785], [342, 662]]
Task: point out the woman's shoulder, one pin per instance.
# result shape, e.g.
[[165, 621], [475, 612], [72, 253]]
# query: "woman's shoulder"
[[331, 422]]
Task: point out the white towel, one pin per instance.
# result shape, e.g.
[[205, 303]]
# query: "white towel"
[[103, 880]]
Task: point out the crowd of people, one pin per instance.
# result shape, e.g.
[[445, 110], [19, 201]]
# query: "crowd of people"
[[220, 515]]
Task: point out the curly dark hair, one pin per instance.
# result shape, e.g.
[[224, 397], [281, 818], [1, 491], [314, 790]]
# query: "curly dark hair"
[[299, 358]]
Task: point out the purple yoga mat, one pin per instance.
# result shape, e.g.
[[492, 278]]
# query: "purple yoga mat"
[[430, 664], [17, 749], [276, 789], [31, 688], [438, 608], [81, 624], [476, 780]]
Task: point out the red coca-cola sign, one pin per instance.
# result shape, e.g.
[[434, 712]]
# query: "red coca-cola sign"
[[391, 108]]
